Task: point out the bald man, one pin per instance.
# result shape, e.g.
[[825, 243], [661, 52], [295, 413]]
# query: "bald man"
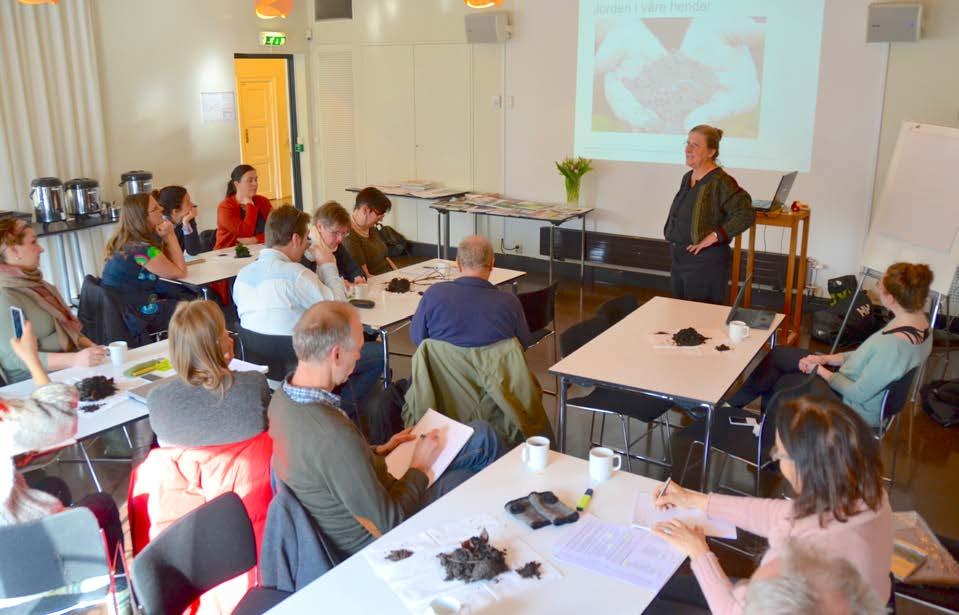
[[469, 311]]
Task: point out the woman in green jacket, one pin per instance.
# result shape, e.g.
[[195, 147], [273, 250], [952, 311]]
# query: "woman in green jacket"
[[709, 210]]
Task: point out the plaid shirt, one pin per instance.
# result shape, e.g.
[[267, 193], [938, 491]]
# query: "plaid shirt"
[[311, 395]]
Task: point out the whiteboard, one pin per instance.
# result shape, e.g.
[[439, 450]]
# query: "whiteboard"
[[917, 216]]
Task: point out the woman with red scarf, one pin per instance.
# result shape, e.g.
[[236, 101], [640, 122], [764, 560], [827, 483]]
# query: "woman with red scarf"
[[22, 286], [241, 216]]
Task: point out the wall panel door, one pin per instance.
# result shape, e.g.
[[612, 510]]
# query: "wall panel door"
[[443, 135], [386, 124]]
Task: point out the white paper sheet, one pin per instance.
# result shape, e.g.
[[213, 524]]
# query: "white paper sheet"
[[645, 516], [420, 578], [622, 552], [453, 436]]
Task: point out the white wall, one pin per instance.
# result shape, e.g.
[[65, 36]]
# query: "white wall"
[[155, 59]]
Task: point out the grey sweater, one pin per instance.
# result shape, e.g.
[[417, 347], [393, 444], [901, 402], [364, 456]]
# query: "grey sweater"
[[185, 415]]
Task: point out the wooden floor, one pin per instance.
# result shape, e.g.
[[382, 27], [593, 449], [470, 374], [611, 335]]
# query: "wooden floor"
[[927, 469]]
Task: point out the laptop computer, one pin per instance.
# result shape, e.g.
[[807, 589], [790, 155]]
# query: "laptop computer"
[[782, 193], [756, 319]]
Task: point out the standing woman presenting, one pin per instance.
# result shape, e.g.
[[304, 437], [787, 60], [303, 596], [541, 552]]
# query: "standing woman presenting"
[[709, 210]]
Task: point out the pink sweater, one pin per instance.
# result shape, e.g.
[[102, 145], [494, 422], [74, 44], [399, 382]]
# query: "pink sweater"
[[865, 540]]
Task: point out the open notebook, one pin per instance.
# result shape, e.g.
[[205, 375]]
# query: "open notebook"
[[453, 436]]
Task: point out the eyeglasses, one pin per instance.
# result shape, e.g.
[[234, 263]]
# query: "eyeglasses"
[[341, 233], [777, 454]]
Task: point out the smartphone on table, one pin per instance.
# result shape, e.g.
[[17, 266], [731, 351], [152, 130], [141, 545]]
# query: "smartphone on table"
[[16, 315], [742, 421]]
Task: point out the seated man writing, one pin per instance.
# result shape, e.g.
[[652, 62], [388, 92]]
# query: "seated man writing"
[[272, 293], [469, 311], [320, 455]]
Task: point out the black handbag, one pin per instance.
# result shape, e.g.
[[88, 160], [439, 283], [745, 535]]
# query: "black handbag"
[[396, 243]]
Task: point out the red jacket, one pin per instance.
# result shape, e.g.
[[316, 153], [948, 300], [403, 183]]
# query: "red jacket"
[[231, 224], [173, 481]]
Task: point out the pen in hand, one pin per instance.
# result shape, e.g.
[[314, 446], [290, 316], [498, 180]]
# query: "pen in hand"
[[662, 492]]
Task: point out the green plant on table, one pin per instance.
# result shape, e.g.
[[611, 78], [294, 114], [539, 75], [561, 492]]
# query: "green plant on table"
[[242, 251], [573, 169]]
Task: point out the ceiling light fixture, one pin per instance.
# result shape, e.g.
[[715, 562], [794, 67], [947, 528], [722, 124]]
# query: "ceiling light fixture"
[[482, 4], [269, 9], [39, 1]]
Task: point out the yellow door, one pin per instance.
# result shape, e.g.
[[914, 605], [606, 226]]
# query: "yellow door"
[[264, 124]]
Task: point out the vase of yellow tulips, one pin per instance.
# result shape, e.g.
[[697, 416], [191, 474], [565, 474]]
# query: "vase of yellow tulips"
[[572, 170]]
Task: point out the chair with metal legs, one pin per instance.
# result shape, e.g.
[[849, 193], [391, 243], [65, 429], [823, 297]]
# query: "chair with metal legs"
[[539, 308], [894, 400], [626, 405], [616, 309]]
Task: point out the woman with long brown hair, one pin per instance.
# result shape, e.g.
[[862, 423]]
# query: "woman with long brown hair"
[[142, 250], [208, 404], [22, 286], [180, 210], [829, 456]]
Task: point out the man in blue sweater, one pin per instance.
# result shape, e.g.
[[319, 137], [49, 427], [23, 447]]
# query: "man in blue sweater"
[[469, 311]]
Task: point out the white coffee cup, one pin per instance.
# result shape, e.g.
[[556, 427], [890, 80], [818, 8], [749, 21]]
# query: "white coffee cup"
[[443, 268], [361, 291], [738, 331], [535, 453], [445, 605], [118, 353], [602, 463]]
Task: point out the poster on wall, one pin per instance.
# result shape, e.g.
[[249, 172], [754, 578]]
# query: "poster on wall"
[[217, 107]]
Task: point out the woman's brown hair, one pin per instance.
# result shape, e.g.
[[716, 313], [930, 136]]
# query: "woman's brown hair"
[[908, 284], [836, 456], [12, 232], [170, 198], [195, 330], [712, 135], [133, 224], [332, 213]]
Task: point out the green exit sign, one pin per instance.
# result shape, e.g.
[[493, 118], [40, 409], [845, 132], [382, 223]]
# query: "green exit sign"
[[272, 39]]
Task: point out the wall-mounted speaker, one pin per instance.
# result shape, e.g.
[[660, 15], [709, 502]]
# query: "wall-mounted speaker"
[[332, 9], [488, 27], [894, 22]]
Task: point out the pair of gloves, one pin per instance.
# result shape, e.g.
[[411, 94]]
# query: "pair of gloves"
[[541, 508]]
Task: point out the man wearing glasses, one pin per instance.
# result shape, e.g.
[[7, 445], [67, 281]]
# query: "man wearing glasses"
[[331, 223]]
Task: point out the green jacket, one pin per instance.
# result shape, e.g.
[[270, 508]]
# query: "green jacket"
[[722, 206], [490, 383]]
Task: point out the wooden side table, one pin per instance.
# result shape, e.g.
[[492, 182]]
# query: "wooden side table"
[[795, 280]]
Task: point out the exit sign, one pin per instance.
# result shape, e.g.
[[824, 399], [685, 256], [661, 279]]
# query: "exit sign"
[[272, 39]]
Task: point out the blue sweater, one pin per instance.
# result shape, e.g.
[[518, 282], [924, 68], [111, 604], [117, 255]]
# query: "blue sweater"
[[469, 312]]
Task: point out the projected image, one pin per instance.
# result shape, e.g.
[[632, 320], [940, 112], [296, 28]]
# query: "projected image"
[[665, 75]]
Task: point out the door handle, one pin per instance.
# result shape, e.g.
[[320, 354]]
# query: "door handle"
[[246, 135]]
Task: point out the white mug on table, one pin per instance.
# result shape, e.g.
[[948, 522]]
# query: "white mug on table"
[[361, 291], [602, 463], [535, 453], [738, 331], [118, 353]]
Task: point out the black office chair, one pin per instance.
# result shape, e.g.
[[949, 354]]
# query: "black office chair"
[[207, 239], [616, 309], [539, 308], [626, 405], [274, 351], [204, 548], [100, 315]]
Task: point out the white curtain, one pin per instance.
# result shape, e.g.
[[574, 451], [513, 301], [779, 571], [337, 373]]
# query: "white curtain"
[[51, 116]]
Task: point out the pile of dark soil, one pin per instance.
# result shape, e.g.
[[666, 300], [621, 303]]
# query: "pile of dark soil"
[[723, 348], [672, 87], [96, 388], [530, 570], [475, 560], [398, 285], [689, 337], [397, 555]]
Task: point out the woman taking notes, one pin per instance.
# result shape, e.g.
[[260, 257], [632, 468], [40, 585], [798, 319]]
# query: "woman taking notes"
[[831, 459], [241, 216], [861, 375], [709, 210], [22, 286]]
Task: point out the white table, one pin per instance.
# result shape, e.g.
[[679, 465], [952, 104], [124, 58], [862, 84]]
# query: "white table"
[[217, 265], [352, 587], [393, 309], [624, 357], [90, 424]]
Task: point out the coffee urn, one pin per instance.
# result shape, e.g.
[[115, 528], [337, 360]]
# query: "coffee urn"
[[136, 182], [82, 197], [46, 194]]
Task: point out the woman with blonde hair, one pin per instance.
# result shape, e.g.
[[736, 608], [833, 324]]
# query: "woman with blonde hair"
[[207, 404], [22, 286], [142, 250]]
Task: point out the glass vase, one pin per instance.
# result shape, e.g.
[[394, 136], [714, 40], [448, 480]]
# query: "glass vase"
[[572, 190]]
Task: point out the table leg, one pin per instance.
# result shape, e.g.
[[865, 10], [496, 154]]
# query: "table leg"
[[86, 459], [582, 254], [790, 281], [561, 415], [75, 244], [384, 336], [706, 444], [446, 235], [801, 277], [62, 249], [750, 264], [552, 228], [734, 270], [439, 234]]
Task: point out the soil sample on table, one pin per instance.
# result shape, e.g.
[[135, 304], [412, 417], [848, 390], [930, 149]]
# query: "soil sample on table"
[[397, 555], [96, 388], [672, 87], [530, 570], [689, 337], [723, 348], [398, 285], [475, 560]]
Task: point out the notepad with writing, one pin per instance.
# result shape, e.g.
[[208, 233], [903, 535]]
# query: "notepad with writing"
[[453, 436], [645, 516]]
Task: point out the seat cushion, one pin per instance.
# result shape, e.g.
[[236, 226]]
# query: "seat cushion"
[[734, 440], [634, 405], [260, 600]]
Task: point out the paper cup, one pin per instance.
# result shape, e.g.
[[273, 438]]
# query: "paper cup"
[[118, 353]]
